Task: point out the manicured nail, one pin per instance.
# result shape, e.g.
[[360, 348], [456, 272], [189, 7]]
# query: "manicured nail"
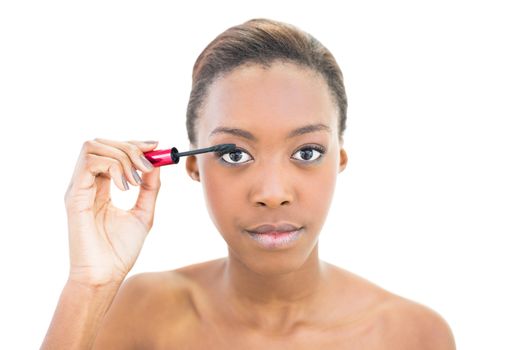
[[126, 186], [146, 162], [150, 141], [136, 176]]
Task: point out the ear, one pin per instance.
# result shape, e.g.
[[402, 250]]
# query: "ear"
[[192, 168], [343, 159]]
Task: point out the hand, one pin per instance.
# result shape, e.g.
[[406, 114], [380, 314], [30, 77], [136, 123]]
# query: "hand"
[[105, 241]]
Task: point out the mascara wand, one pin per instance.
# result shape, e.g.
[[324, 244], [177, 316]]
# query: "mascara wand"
[[172, 156]]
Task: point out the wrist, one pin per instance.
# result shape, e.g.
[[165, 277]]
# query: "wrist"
[[95, 280], [94, 285]]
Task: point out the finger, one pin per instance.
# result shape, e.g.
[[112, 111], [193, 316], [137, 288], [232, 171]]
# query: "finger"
[[103, 182], [93, 172], [144, 208], [134, 150], [90, 165], [120, 154]]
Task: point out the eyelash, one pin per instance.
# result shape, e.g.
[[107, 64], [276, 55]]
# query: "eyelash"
[[317, 148]]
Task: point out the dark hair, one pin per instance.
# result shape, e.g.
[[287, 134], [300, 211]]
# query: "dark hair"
[[262, 41]]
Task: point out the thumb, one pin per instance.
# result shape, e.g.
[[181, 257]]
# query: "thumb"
[[144, 207]]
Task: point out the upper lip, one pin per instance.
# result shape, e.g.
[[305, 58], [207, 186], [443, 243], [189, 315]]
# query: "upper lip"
[[284, 227]]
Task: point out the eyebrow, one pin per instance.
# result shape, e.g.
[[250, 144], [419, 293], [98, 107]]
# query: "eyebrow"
[[249, 136]]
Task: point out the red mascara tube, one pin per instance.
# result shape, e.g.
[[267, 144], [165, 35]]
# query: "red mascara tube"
[[172, 156]]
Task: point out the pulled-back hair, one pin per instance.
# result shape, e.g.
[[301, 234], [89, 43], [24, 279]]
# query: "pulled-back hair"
[[262, 41]]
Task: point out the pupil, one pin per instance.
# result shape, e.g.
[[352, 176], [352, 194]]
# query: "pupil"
[[237, 156], [308, 152]]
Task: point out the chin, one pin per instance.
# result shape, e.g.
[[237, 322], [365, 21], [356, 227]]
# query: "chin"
[[273, 263]]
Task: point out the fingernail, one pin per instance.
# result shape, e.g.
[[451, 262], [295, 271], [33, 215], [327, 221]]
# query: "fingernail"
[[146, 162], [126, 186], [150, 141], [136, 176]]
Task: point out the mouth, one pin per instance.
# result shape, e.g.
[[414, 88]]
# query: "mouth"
[[275, 228], [274, 240]]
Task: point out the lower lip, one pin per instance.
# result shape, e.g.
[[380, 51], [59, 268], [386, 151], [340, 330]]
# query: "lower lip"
[[276, 240]]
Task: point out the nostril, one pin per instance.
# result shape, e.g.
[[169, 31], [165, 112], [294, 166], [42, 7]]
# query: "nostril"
[[262, 204]]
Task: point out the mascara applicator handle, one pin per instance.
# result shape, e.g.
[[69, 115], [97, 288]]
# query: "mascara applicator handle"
[[162, 157]]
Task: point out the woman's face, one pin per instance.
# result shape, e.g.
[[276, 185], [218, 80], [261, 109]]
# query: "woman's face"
[[271, 178]]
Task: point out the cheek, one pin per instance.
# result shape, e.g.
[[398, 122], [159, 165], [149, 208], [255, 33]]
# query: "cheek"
[[222, 196], [315, 191]]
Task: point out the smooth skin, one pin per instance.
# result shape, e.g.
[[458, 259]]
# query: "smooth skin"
[[254, 298]]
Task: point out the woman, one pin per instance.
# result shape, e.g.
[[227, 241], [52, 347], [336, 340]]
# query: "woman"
[[278, 94]]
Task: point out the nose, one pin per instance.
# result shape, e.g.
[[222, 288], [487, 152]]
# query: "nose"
[[272, 188]]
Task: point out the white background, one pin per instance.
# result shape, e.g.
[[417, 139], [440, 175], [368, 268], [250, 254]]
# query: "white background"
[[430, 207]]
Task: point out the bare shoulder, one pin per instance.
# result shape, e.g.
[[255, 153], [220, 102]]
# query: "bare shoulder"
[[396, 322], [416, 326], [144, 304]]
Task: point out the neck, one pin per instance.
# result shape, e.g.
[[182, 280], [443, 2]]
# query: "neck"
[[276, 303]]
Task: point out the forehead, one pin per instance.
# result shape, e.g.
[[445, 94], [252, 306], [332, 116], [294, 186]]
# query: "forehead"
[[281, 97]]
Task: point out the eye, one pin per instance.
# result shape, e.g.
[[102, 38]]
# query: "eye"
[[308, 153], [236, 156]]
